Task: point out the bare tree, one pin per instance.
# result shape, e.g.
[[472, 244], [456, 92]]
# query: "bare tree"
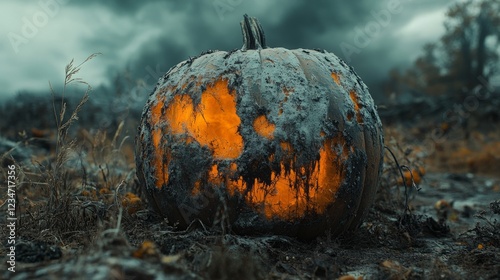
[[466, 56]]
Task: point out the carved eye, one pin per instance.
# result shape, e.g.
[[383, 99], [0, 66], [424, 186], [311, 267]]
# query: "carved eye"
[[281, 141]]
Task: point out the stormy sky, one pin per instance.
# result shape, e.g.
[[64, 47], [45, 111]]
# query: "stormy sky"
[[148, 37]]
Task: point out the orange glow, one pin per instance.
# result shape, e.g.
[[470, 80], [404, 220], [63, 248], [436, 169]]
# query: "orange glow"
[[336, 78], [280, 199], [196, 189], [132, 203], [357, 106], [292, 191], [233, 167], [286, 146], [416, 174], [179, 112], [263, 127], [146, 249], [156, 110], [213, 123], [300, 189], [213, 175], [331, 171], [156, 135], [161, 168], [287, 91]]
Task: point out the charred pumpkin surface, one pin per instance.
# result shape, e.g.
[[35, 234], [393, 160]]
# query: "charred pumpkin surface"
[[291, 193], [159, 161], [289, 139], [357, 106], [212, 123], [263, 127]]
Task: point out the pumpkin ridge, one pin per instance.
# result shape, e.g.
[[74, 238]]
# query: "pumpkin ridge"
[[363, 176], [372, 174]]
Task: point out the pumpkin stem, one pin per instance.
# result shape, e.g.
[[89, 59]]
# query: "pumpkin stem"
[[253, 34]]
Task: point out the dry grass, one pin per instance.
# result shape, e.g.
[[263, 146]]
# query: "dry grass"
[[77, 190], [458, 151], [404, 169]]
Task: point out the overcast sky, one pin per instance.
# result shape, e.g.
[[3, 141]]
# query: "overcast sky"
[[149, 37]]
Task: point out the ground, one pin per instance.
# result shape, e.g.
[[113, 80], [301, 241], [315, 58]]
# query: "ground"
[[81, 213]]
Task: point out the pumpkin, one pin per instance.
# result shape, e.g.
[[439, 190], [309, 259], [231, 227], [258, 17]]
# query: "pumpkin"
[[272, 140]]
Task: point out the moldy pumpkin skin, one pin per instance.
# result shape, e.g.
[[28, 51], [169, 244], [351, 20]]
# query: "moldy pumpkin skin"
[[279, 141]]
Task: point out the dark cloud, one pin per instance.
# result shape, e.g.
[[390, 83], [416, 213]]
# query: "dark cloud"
[[119, 6], [156, 59], [306, 22], [164, 33]]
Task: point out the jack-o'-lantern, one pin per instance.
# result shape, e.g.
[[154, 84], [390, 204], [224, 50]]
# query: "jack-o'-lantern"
[[275, 140]]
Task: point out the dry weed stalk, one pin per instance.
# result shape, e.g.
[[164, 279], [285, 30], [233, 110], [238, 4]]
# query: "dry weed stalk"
[[64, 213], [63, 145]]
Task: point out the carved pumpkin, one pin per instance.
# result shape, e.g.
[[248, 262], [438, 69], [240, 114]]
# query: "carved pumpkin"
[[274, 140]]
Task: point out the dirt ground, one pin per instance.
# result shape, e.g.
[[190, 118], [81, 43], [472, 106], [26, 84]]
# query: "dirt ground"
[[81, 214]]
